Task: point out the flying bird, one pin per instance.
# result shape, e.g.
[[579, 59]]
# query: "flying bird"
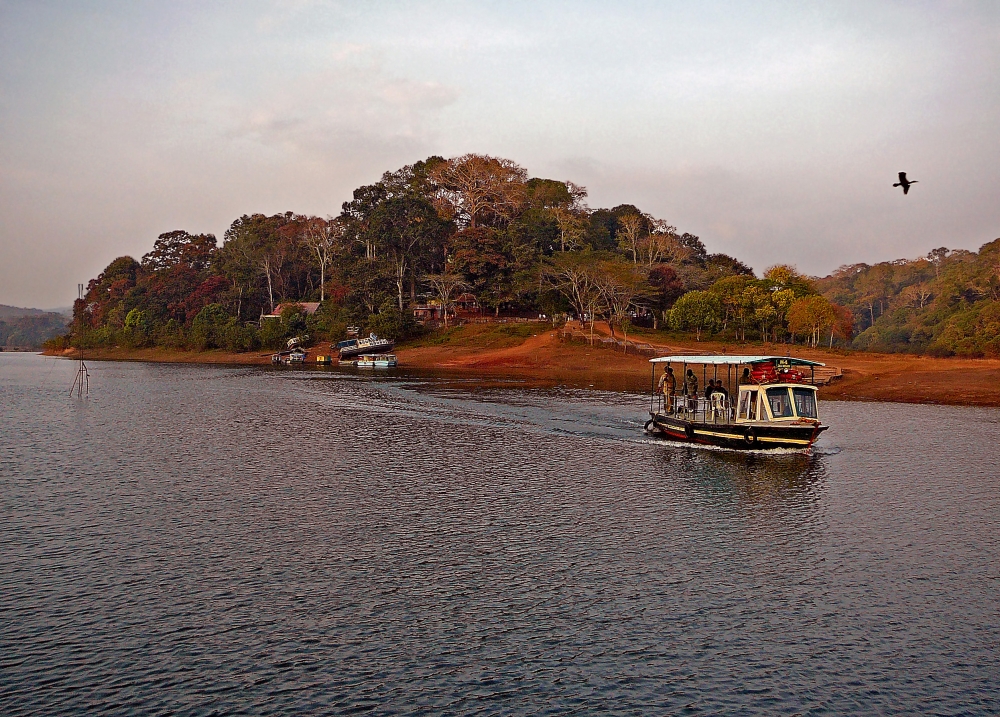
[[904, 182]]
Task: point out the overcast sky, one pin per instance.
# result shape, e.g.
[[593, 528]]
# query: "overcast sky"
[[773, 130]]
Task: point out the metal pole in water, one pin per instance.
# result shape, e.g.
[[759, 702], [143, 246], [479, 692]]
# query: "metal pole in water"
[[81, 382]]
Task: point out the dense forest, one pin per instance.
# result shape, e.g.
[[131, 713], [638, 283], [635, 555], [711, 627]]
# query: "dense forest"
[[442, 230]]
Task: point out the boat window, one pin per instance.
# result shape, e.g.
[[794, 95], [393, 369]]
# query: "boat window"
[[781, 406], [748, 406], [805, 402]]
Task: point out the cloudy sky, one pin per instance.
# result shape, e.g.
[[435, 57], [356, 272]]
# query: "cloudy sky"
[[773, 130]]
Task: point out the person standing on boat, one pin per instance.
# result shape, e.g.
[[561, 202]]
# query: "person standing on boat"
[[745, 379], [668, 387], [691, 390]]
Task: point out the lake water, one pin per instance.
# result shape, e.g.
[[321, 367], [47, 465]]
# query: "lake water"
[[204, 540]]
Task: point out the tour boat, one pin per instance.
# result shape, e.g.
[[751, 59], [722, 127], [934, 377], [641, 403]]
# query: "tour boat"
[[775, 403], [356, 347], [376, 361]]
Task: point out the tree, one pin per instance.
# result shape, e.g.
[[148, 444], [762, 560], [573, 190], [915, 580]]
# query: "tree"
[[482, 256], [937, 257], [731, 292], [662, 244], [403, 224], [811, 315], [572, 226], [698, 310], [479, 188], [632, 228], [667, 288], [445, 285], [622, 290], [324, 237], [573, 276], [268, 248], [180, 248]]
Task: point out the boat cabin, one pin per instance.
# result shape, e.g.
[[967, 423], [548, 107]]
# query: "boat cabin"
[[779, 402]]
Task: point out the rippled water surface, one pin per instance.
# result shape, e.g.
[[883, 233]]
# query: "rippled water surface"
[[202, 540]]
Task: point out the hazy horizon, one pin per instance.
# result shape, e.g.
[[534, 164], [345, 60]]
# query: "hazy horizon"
[[772, 131]]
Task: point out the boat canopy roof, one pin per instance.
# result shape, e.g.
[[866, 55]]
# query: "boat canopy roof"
[[734, 360]]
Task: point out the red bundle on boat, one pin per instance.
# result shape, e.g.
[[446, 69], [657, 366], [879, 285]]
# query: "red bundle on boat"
[[763, 373], [790, 376]]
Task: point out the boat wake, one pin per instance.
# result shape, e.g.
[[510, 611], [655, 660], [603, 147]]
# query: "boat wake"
[[663, 441]]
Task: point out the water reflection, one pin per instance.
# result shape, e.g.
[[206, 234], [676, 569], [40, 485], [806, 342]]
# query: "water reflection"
[[743, 477]]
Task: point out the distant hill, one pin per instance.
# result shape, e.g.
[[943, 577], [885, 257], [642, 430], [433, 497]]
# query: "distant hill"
[[29, 328], [16, 312]]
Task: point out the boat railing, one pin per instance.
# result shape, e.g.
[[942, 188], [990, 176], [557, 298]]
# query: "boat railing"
[[698, 409]]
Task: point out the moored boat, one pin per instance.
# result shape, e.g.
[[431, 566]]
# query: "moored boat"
[[296, 355], [376, 361], [772, 404], [355, 347]]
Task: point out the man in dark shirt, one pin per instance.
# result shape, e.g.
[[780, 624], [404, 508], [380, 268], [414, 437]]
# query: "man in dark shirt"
[[691, 390]]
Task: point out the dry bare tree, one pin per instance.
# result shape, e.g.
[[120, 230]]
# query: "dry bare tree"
[[476, 185], [632, 229], [444, 286], [573, 276], [622, 289], [324, 237], [662, 244]]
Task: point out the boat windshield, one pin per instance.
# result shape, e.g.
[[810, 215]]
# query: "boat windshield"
[[805, 402], [781, 406]]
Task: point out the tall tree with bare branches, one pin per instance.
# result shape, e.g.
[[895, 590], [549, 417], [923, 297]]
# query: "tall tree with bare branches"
[[478, 187], [632, 228], [445, 285], [324, 237]]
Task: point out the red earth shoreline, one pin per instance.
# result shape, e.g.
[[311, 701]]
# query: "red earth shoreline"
[[546, 359]]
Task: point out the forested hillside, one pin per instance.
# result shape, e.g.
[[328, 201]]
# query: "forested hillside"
[[29, 328], [478, 226], [942, 304]]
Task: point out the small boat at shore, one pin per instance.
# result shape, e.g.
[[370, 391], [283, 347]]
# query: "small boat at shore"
[[371, 345], [376, 361], [291, 357], [775, 403]]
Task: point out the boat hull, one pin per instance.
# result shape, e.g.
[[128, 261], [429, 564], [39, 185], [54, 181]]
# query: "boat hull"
[[738, 436], [366, 346]]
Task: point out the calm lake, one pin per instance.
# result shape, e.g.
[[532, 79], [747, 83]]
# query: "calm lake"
[[205, 540]]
